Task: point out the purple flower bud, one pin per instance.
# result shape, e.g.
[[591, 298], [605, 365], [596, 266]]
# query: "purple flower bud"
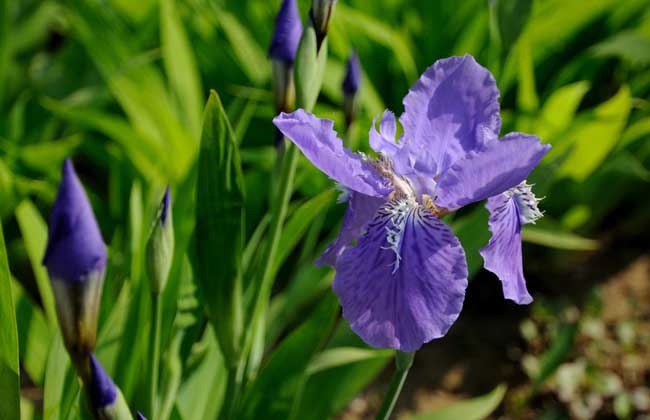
[[288, 29], [75, 258], [160, 246], [166, 202], [352, 78], [75, 247], [102, 389], [139, 416]]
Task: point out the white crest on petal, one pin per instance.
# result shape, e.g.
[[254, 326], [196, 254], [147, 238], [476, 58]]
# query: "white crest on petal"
[[526, 203], [398, 211]]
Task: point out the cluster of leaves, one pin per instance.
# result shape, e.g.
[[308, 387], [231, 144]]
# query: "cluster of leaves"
[[121, 86]]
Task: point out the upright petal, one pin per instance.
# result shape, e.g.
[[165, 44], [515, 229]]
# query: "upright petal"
[[443, 111], [383, 141], [501, 165], [317, 139], [404, 283], [75, 246], [361, 209]]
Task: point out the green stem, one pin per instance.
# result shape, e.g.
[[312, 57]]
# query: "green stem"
[[154, 361], [403, 362]]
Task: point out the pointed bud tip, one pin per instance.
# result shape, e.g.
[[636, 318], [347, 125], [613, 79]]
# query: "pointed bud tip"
[[165, 205], [103, 390], [321, 14], [75, 247], [352, 78], [139, 416], [288, 30]]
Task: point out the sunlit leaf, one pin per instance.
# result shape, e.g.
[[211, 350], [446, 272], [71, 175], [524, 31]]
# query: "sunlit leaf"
[[595, 138], [34, 231], [219, 228], [472, 409], [9, 369]]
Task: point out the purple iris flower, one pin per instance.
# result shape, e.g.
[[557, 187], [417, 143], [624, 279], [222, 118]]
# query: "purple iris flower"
[[352, 78], [288, 30], [403, 282], [75, 247], [102, 388]]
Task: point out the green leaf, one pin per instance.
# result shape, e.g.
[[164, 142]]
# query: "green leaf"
[[358, 24], [219, 228], [527, 99], [61, 385], [512, 16], [180, 65], [339, 356], [330, 389], [34, 335], [273, 392], [201, 393], [472, 409], [309, 69], [594, 139], [559, 110], [6, 42], [9, 368], [557, 238], [630, 45], [34, 233], [297, 225], [251, 57]]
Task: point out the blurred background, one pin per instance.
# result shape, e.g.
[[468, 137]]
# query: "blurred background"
[[120, 87]]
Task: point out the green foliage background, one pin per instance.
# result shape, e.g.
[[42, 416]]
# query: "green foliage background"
[[120, 86]]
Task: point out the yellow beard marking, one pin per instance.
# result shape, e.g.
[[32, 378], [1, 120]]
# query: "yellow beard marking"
[[437, 211]]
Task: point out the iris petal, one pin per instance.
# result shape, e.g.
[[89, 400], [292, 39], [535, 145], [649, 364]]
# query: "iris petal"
[[361, 209], [502, 255], [501, 165], [383, 141], [443, 112], [402, 301], [318, 141]]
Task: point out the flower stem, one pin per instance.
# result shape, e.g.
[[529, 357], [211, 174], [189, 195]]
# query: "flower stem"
[[403, 362], [154, 346]]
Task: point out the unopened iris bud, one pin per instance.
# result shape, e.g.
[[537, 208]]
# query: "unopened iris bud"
[[284, 44], [321, 14], [350, 87], [139, 416], [106, 399], [75, 258], [160, 247]]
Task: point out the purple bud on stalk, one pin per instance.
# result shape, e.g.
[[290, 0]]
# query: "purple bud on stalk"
[[288, 29], [105, 397], [282, 51], [160, 246], [350, 87], [102, 389], [139, 416], [75, 258]]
